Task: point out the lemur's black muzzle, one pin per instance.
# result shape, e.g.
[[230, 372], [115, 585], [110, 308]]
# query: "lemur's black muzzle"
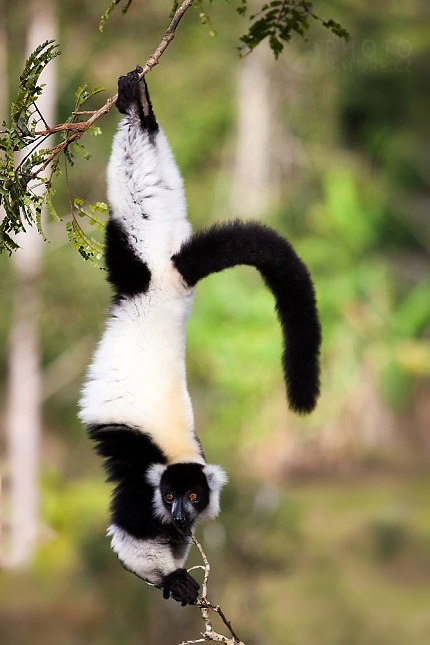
[[179, 513]]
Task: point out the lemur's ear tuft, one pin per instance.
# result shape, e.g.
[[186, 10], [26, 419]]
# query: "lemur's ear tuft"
[[154, 474], [216, 477]]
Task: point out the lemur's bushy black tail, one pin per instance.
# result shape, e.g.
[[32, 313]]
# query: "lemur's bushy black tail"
[[226, 245]]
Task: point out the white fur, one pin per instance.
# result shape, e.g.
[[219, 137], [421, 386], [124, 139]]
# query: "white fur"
[[137, 375], [217, 478], [154, 474], [153, 477], [149, 559], [159, 509]]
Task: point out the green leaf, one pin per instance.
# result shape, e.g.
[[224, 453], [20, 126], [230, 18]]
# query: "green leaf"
[[174, 8], [101, 207], [21, 205], [29, 90], [111, 7], [50, 208], [337, 29], [81, 150], [243, 8], [79, 93], [85, 245], [278, 20], [89, 248], [39, 225], [83, 93]]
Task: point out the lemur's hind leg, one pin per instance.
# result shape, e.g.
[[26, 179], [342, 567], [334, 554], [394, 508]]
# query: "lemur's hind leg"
[[148, 212], [133, 94]]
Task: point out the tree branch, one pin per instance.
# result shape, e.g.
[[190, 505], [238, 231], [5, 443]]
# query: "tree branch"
[[78, 129], [205, 607]]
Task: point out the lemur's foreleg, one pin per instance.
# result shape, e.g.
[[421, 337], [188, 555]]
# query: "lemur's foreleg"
[[145, 191]]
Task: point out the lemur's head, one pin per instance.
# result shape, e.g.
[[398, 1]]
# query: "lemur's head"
[[186, 492]]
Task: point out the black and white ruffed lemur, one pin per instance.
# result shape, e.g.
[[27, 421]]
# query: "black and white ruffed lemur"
[[135, 401]]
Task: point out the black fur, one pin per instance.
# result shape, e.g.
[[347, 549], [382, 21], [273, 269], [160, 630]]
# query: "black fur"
[[227, 245], [128, 453], [127, 274], [133, 93], [181, 586], [186, 478]]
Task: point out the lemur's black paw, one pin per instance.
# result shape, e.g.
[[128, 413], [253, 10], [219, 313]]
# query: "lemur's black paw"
[[182, 587], [129, 90]]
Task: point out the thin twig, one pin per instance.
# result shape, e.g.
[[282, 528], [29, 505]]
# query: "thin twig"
[[226, 622], [207, 567], [206, 606], [41, 115], [30, 152], [198, 566]]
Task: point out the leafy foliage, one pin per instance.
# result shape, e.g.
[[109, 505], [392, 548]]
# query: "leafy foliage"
[[276, 21], [84, 92], [87, 246], [17, 197], [204, 17], [111, 7], [22, 198], [279, 19], [24, 191]]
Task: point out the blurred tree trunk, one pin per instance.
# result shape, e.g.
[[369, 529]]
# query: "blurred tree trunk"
[[251, 189], [268, 157], [23, 413], [251, 174]]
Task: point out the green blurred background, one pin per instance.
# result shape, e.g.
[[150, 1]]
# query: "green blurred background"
[[324, 536]]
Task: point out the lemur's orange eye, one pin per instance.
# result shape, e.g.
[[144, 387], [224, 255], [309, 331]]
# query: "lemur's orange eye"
[[169, 497], [192, 497]]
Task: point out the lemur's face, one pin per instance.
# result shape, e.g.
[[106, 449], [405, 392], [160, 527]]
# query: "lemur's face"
[[186, 492], [184, 503]]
